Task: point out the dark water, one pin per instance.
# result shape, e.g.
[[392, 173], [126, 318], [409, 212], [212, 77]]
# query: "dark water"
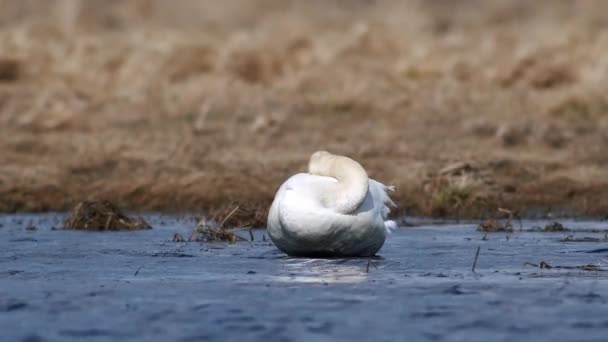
[[70, 285]]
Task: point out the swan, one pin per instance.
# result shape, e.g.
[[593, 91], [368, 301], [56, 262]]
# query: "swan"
[[334, 210]]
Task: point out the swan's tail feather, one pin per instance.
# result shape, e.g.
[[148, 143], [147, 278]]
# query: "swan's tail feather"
[[390, 225], [385, 198], [389, 201], [381, 193]]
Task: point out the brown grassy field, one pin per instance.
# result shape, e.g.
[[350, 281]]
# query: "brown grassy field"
[[465, 105]]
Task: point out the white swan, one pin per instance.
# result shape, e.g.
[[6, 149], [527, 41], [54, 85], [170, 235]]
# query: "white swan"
[[333, 210]]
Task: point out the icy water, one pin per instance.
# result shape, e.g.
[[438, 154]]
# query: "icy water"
[[125, 286]]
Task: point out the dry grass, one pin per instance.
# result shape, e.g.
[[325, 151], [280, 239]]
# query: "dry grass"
[[101, 215], [215, 231], [201, 105]]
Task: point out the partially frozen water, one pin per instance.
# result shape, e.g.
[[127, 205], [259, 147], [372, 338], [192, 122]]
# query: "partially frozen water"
[[70, 285]]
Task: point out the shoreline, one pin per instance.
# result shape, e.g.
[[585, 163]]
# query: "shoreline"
[[255, 210]]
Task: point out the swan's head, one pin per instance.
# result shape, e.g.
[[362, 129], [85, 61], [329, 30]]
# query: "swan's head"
[[323, 163], [352, 186], [320, 163]]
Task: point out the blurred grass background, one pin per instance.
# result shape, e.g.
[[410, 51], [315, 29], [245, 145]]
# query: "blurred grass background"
[[464, 105]]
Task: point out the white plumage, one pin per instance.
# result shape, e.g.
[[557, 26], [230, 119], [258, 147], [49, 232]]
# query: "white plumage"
[[334, 210]]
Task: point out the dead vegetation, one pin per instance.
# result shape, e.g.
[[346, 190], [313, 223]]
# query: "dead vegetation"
[[555, 227], [572, 238], [215, 227], [210, 230], [589, 267], [497, 224], [101, 215], [204, 106], [177, 237]]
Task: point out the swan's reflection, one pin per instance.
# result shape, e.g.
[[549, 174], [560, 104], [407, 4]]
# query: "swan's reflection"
[[325, 271]]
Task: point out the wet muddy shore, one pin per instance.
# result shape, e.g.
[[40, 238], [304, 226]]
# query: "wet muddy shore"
[[60, 285]]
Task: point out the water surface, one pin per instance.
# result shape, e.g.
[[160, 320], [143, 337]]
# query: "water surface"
[[71, 285]]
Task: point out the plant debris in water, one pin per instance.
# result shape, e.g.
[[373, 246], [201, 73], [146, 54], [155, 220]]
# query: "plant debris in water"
[[31, 226], [589, 267], [571, 238], [177, 237], [555, 227], [210, 231], [101, 215], [494, 225]]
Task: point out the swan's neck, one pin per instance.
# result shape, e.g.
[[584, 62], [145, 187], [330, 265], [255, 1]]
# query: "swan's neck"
[[346, 195]]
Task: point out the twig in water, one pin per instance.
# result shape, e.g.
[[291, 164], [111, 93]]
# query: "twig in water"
[[109, 221], [251, 234], [370, 262], [177, 237], [544, 265], [193, 235], [521, 225], [476, 257], [137, 272], [512, 215]]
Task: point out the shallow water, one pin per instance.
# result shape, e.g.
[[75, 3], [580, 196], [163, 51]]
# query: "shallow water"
[[70, 285]]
